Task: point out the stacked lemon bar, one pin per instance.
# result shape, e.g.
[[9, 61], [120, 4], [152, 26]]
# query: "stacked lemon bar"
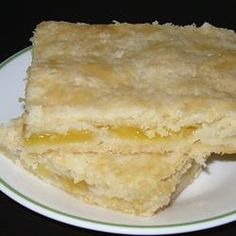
[[124, 116]]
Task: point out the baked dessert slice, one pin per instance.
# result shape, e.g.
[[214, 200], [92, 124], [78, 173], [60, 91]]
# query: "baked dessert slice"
[[125, 116], [131, 88], [137, 184]]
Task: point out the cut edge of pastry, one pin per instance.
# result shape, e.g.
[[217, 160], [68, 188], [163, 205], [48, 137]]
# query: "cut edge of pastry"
[[138, 207]]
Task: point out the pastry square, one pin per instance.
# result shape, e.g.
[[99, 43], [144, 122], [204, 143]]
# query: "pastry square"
[[127, 88], [125, 115], [139, 184]]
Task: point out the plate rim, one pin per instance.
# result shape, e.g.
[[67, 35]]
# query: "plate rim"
[[21, 195], [113, 227]]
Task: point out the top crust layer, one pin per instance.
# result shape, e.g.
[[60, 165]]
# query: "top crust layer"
[[147, 75]]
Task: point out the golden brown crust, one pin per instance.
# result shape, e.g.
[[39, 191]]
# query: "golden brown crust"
[[159, 79], [156, 76]]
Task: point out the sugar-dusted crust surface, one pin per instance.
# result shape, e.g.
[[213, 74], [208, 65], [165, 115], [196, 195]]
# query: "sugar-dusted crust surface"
[[119, 80], [157, 77]]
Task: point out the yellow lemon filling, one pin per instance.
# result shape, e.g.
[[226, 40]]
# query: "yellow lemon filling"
[[67, 183], [54, 138], [123, 132]]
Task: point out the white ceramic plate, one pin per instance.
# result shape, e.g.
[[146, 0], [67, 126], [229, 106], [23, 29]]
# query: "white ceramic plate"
[[209, 202]]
